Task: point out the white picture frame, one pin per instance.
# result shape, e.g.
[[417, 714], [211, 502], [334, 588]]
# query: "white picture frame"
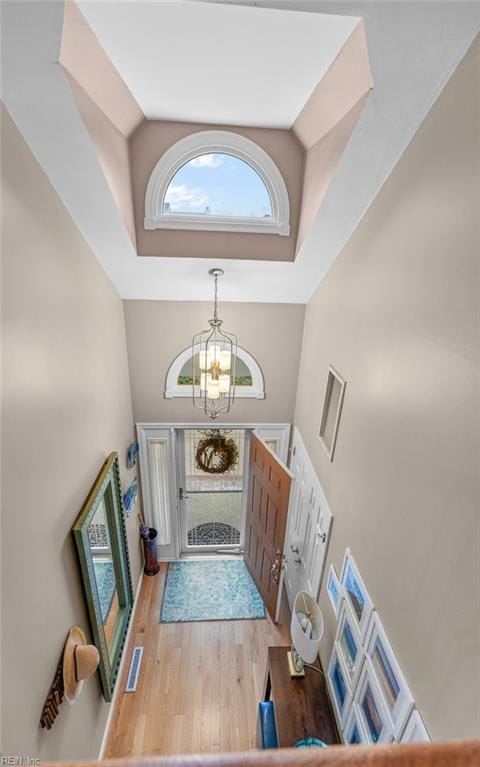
[[334, 590], [415, 730], [394, 688], [331, 411], [354, 732], [340, 691], [356, 594], [349, 643], [372, 710]]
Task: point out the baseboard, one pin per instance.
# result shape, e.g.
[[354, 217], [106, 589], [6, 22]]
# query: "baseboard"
[[117, 689]]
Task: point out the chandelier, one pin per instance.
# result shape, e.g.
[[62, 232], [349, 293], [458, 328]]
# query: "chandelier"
[[214, 353]]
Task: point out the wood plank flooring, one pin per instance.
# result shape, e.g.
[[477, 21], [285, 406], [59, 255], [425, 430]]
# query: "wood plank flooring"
[[199, 685]]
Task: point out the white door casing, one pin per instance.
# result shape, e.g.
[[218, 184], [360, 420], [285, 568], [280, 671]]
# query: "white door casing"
[[276, 433], [310, 522], [154, 516]]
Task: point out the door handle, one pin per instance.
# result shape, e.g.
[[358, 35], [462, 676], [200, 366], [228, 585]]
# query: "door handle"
[[276, 567], [182, 496], [294, 549], [322, 536]]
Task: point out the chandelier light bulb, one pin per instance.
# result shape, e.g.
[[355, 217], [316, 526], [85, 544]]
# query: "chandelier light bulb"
[[224, 384], [203, 360], [225, 360]]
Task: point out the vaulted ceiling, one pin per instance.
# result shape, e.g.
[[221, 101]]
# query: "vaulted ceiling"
[[140, 66]]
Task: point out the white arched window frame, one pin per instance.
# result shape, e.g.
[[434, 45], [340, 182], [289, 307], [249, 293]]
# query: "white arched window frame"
[[255, 391], [217, 142]]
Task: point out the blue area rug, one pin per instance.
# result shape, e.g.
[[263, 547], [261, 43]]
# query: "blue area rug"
[[105, 577], [210, 590]]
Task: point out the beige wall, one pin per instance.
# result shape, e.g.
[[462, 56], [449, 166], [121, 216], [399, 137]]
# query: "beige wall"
[[397, 316], [157, 331], [66, 406]]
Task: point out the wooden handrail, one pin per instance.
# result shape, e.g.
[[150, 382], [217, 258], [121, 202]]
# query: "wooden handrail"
[[454, 754]]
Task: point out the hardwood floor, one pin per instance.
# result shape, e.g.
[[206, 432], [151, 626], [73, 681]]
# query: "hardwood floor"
[[199, 685]]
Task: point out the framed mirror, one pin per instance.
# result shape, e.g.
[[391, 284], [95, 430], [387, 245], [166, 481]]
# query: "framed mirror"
[[101, 540]]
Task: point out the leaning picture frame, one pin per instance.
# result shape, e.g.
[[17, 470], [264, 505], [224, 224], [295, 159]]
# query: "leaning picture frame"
[[334, 590], [349, 643], [355, 593], [394, 688], [415, 730]]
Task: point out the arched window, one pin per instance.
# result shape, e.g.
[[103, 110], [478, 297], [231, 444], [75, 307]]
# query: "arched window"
[[248, 376], [217, 181]]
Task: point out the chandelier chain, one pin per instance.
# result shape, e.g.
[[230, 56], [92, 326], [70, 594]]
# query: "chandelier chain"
[[215, 315]]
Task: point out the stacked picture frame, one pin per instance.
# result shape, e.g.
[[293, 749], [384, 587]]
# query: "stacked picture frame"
[[371, 699]]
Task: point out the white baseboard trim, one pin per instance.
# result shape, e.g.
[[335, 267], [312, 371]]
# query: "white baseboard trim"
[[117, 690]]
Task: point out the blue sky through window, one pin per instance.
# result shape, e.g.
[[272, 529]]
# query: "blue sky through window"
[[218, 185]]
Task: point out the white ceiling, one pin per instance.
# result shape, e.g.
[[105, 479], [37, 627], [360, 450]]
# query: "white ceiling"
[[225, 64], [413, 49]]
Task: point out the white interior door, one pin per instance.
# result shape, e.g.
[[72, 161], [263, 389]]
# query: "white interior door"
[[310, 522]]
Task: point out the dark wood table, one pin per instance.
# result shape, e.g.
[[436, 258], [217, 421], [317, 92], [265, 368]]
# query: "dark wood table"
[[302, 706]]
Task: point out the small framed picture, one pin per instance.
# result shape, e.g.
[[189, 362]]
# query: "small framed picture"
[[349, 643], [415, 731], [371, 707], [355, 733], [332, 408], [334, 590], [356, 594], [394, 688], [340, 692]]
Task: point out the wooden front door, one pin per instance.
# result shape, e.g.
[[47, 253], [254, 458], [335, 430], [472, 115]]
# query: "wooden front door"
[[269, 483]]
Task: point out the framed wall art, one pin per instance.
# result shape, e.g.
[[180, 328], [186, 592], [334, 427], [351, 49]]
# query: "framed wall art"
[[394, 688], [415, 730], [356, 594], [340, 692], [332, 408], [372, 710], [349, 644], [355, 733], [334, 590]]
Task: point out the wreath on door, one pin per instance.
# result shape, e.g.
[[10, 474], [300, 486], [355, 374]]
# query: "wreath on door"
[[216, 454]]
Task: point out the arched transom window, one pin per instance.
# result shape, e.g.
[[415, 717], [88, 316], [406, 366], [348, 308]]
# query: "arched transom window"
[[217, 181], [248, 376]]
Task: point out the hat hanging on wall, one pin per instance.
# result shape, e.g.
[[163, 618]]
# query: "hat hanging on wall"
[[80, 661]]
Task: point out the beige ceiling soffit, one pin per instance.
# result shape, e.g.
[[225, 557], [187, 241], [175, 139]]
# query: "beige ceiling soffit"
[[84, 58], [321, 163], [155, 137], [346, 81], [111, 148]]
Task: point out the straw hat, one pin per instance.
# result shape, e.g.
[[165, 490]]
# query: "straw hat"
[[80, 660]]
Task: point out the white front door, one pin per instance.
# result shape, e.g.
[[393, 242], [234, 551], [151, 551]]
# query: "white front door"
[[310, 522]]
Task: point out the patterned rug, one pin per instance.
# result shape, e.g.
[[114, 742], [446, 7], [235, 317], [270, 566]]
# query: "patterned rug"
[[210, 590], [105, 577], [213, 534]]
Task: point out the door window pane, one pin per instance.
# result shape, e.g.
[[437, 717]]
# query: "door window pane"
[[217, 185]]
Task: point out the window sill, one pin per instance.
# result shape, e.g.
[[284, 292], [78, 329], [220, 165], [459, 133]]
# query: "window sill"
[[217, 224]]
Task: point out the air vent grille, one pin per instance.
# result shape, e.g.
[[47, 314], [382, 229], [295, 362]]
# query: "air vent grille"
[[134, 669]]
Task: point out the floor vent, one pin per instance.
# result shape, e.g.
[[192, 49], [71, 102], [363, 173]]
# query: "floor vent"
[[134, 669]]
